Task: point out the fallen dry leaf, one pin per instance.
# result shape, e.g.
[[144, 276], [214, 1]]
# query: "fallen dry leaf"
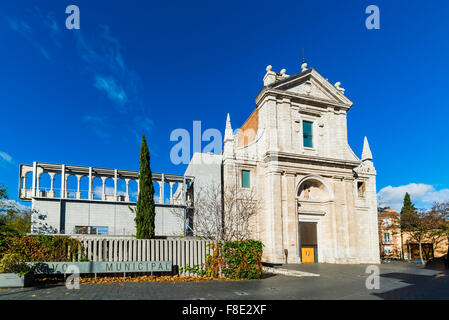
[[146, 278]]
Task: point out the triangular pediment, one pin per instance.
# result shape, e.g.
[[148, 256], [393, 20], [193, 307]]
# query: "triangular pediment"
[[310, 84]]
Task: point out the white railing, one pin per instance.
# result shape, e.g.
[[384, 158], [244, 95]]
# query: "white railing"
[[181, 252]]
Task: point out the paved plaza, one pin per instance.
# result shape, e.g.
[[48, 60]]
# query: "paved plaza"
[[398, 280]]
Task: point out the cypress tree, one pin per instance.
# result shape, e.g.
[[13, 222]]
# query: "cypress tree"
[[409, 215], [145, 209], [408, 206]]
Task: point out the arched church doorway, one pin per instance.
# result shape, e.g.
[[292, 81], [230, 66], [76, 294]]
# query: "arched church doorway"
[[313, 197]]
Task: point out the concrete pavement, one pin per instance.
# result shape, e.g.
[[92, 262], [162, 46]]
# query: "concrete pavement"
[[398, 280]]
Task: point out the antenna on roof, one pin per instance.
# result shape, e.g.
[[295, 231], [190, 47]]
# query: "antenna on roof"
[[304, 63]]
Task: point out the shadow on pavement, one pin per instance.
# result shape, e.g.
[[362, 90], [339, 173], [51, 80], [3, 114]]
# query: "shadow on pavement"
[[423, 287]]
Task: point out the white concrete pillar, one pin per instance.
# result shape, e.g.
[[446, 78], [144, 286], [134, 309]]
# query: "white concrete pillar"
[[184, 196], [52, 181], [127, 190], [62, 195], [103, 193], [161, 190], [78, 192], [161, 193], [171, 192], [51, 193], [38, 185], [115, 184], [90, 194], [184, 190], [66, 194], [33, 188]]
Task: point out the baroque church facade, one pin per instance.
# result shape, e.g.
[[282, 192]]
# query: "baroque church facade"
[[317, 198]]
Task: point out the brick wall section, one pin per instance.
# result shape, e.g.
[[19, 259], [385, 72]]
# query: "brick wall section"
[[248, 131]]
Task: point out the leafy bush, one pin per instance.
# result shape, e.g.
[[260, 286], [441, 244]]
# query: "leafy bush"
[[243, 259], [41, 248], [14, 263], [235, 260], [215, 262], [196, 269]]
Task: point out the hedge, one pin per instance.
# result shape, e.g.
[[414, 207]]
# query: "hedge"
[[41, 248], [243, 259], [235, 260]]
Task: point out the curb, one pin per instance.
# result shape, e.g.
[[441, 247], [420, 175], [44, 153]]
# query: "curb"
[[292, 273]]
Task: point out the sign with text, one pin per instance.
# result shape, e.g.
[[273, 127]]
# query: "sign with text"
[[102, 267]]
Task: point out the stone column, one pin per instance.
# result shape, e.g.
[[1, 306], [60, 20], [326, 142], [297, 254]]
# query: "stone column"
[[171, 192], [38, 185], [103, 192], [34, 179], [161, 190], [62, 195], [285, 131], [115, 184], [78, 192], [127, 190], [51, 193], [273, 237], [271, 123], [292, 220], [66, 194], [90, 193], [24, 182]]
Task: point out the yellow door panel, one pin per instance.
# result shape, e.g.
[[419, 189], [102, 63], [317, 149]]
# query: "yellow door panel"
[[308, 255]]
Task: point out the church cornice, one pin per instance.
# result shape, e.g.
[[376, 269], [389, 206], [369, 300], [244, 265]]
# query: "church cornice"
[[302, 158], [294, 97]]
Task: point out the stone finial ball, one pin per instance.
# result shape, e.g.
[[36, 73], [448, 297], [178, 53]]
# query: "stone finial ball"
[[269, 67], [283, 71]]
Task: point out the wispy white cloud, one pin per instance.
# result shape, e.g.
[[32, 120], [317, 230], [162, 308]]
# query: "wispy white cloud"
[[49, 21], [104, 61], [144, 125], [18, 25], [26, 30], [94, 119], [113, 90], [45, 53], [6, 159], [423, 195]]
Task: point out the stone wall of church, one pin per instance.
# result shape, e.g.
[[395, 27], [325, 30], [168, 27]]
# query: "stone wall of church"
[[346, 219]]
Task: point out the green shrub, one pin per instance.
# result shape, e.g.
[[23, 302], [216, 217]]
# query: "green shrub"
[[235, 260], [196, 269], [243, 259], [215, 262], [14, 263], [42, 248]]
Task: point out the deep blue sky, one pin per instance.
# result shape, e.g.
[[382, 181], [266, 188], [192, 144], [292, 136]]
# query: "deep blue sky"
[[85, 96]]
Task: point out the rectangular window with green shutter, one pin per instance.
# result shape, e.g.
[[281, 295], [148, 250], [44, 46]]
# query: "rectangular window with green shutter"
[[307, 136], [246, 183]]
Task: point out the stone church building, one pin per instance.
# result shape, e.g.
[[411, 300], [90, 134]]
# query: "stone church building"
[[317, 198]]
